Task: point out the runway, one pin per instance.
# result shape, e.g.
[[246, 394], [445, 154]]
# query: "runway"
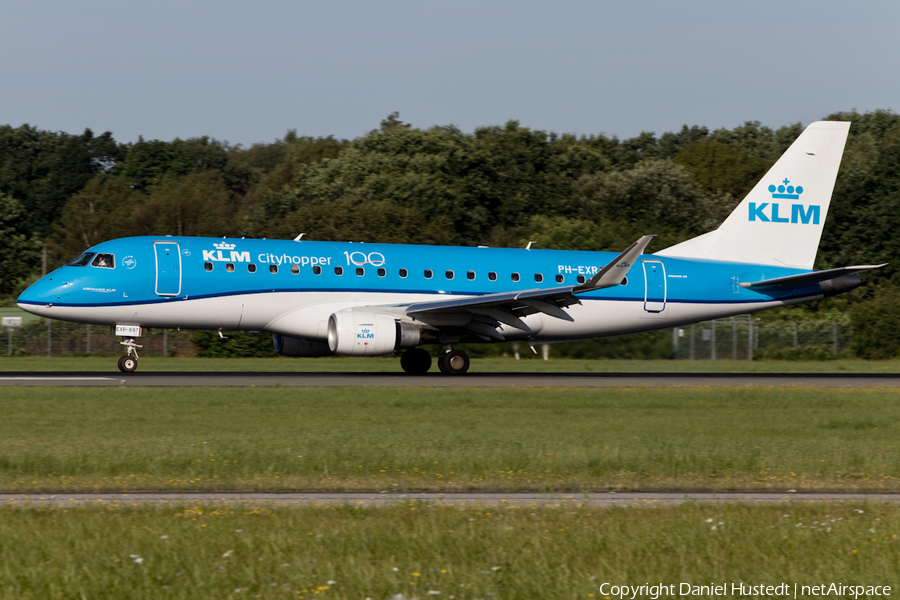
[[322, 379], [599, 499]]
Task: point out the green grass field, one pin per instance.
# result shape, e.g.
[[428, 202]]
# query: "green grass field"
[[57, 439], [479, 365], [423, 551]]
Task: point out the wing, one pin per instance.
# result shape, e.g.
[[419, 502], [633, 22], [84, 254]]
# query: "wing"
[[482, 315]]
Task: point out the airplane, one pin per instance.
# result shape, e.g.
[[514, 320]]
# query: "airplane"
[[362, 299]]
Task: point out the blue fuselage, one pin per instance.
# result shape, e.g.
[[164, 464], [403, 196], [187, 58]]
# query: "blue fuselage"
[[251, 284]]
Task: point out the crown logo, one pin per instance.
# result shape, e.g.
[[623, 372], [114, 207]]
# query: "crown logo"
[[224, 246], [788, 192], [365, 330]]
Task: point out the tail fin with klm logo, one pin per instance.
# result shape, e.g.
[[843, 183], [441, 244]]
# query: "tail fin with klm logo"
[[780, 221]]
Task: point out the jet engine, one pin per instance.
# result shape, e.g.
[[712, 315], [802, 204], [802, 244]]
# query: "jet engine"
[[352, 333], [291, 346]]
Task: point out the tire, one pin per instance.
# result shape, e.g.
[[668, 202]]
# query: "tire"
[[127, 364], [455, 362], [442, 363], [416, 361]]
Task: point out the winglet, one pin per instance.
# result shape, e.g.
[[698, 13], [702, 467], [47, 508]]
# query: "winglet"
[[614, 273]]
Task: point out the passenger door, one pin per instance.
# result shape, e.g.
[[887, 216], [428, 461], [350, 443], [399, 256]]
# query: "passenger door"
[[654, 286], [168, 268]]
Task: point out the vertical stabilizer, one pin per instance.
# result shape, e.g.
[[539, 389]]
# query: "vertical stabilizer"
[[780, 221]]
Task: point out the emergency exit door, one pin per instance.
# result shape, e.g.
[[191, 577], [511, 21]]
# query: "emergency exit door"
[[168, 268], [654, 286]]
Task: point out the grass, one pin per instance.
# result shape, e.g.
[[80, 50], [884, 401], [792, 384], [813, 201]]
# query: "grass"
[[479, 365], [461, 552], [118, 439]]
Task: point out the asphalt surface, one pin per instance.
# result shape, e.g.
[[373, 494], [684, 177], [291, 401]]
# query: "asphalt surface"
[[182, 379], [599, 499]]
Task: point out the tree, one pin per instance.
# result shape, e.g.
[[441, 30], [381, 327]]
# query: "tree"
[[876, 325], [759, 140], [655, 193], [149, 162], [393, 121], [103, 210], [42, 169], [561, 233], [298, 151], [474, 185], [863, 218], [720, 168], [19, 251], [196, 204], [375, 221], [671, 144]]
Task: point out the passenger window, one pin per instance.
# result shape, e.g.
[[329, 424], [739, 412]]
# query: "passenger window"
[[251, 267], [82, 260], [492, 276], [339, 270], [560, 278], [229, 267], [428, 274], [470, 275], [360, 271], [515, 276], [295, 269], [382, 272], [538, 277], [403, 273], [273, 268], [104, 261], [317, 270], [580, 279], [208, 266], [448, 274]]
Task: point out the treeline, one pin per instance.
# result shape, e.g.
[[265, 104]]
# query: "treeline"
[[498, 186]]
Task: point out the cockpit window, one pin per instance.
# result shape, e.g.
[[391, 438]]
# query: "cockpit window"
[[104, 261], [82, 260]]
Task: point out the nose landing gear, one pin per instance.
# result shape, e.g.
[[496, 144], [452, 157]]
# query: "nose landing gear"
[[128, 363]]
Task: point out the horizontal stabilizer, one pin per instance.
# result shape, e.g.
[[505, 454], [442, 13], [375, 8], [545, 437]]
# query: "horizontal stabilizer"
[[804, 278]]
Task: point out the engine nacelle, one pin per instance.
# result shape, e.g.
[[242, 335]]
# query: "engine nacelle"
[[352, 333], [291, 346]]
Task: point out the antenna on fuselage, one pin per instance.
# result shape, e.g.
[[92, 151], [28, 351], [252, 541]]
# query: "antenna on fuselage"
[[528, 246], [299, 237]]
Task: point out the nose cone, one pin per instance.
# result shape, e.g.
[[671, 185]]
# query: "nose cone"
[[28, 300], [38, 296]]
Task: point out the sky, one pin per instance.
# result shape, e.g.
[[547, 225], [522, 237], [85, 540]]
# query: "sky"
[[247, 72]]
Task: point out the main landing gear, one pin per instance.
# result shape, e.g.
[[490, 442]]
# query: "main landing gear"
[[417, 361], [128, 363], [453, 362]]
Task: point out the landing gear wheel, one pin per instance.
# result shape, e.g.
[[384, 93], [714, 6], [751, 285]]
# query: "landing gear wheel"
[[416, 361], [455, 362], [127, 364]]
